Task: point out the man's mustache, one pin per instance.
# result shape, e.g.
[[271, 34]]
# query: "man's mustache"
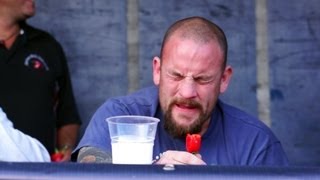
[[187, 103]]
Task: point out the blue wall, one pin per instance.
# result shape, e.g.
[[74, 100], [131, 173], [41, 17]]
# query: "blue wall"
[[93, 34], [294, 39]]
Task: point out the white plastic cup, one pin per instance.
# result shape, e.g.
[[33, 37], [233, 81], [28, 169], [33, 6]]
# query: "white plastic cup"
[[132, 138]]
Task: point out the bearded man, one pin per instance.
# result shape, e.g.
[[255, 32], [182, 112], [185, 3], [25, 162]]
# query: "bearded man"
[[189, 75]]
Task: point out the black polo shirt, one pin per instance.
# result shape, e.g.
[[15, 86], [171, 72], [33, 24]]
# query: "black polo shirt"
[[35, 87]]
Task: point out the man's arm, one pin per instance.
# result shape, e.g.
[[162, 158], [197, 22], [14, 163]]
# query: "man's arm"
[[66, 139], [17, 146], [93, 155]]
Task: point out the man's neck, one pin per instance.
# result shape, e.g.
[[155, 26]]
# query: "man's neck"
[[8, 33]]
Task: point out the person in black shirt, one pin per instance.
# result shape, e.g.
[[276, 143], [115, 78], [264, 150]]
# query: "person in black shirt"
[[36, 91]]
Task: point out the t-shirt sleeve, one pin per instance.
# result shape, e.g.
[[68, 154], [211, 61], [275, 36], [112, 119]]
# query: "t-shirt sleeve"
[[273, 155], [97, 133]]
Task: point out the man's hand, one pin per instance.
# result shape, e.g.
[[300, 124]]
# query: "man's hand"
[[66, 140], [180, 158], [66, 155]]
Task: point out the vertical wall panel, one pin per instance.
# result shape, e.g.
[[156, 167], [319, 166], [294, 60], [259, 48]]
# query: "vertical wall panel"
[[294, 38]]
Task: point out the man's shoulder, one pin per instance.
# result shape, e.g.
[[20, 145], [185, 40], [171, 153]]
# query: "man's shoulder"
[[242, 120], [235, 112], [248, 139], [36, 34]]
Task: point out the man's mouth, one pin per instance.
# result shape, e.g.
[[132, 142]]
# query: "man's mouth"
[[186, 106]]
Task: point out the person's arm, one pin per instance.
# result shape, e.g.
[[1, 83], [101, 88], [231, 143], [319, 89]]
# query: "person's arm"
[[68, 120], [66, 139], [17, 146], [272, 155], [93, 155]]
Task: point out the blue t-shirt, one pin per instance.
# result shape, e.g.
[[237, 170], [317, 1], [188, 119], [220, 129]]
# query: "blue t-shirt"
[[233, 136]]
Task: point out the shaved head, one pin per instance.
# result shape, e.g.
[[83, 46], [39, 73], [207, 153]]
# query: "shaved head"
[[199, 30]]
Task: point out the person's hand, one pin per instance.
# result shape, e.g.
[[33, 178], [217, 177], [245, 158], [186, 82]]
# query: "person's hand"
[[66, 155], [180, 158]]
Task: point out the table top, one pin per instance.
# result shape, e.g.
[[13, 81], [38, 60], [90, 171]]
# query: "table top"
[[61, 171]]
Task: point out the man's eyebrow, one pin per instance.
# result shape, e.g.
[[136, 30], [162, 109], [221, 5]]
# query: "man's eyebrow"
[[173, 72], [204, 78]]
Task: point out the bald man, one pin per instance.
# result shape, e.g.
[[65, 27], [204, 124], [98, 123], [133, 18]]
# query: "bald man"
[[189, 75]]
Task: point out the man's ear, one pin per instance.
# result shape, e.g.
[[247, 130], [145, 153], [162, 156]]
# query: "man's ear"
[[226, 77], [156, 64]]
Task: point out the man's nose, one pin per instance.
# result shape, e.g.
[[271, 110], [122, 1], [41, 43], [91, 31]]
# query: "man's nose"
[[187, 88]]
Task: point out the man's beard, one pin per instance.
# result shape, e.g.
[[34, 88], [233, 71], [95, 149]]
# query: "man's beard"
[[178, 131]]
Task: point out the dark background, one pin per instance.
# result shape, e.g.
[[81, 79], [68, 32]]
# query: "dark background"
[[94, 36]]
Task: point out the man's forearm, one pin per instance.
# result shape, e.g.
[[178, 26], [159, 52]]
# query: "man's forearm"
[[67, 136], [93, 155]]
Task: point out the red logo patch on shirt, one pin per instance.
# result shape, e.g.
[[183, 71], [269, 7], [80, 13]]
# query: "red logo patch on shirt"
[[36, 62]]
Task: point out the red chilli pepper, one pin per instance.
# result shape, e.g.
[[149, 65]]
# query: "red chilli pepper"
[[193, 143], [57, 156]]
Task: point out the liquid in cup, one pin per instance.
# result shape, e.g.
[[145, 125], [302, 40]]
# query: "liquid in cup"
[[132, 139], [128, 149]]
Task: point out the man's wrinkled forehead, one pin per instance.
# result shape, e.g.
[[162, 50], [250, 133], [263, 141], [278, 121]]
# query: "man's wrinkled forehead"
[[179, 38]]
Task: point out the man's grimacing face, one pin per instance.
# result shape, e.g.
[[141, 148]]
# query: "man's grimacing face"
[[190, 78]]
